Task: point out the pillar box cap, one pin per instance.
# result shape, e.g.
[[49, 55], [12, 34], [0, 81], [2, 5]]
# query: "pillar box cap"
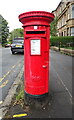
[[35, 16]]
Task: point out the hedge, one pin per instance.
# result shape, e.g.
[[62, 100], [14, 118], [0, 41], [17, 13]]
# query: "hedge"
[[64, 41]]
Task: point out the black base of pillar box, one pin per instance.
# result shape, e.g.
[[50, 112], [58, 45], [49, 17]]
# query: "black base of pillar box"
[[36, 100], [36, 96]]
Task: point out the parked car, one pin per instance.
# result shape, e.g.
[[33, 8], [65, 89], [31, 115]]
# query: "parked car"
[[17, 45]]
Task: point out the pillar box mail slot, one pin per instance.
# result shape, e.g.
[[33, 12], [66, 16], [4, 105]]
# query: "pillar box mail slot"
[[35, 32], [36, 26]]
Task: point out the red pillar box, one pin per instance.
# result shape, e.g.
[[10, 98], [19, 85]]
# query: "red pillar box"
[[36, 51]]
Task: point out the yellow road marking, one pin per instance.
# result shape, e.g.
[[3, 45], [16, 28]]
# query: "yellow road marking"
[[8, 72], [4, 84], [4, 76], [19, 115], [1, 79], [1, 102]]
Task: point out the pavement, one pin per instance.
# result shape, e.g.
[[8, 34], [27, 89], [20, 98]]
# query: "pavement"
[[69, 52], [59, 102]]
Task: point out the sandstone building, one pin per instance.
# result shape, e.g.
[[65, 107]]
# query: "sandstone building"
[[65, 14]]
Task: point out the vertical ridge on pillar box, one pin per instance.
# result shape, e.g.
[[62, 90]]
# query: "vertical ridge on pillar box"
[[36, 26]]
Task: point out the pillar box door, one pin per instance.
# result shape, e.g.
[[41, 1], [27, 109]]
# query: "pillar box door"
[[36, 51]]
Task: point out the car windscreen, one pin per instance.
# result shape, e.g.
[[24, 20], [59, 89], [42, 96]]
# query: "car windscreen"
[[18, 41]]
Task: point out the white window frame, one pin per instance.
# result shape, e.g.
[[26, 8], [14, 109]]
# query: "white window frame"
[[68, 12], [72, 31], [72, 15]]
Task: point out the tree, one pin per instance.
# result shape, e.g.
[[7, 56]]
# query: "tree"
[[53, 27], [16, 33], [4, 30]]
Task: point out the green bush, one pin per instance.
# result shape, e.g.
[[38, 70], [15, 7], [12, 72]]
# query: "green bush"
[[4, 44], [64, 41], [20, 95]]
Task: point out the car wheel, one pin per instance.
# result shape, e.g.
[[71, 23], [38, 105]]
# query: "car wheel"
[[13, 52]]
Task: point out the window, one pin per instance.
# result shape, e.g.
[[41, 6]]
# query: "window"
[[72, 31], [64, 33], [58, 25], [65, 19], [69, 13], [72, 11], [60, 9], [68, 32]]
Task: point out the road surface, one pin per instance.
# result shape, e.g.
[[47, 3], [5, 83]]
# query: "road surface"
[[10, 67]]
